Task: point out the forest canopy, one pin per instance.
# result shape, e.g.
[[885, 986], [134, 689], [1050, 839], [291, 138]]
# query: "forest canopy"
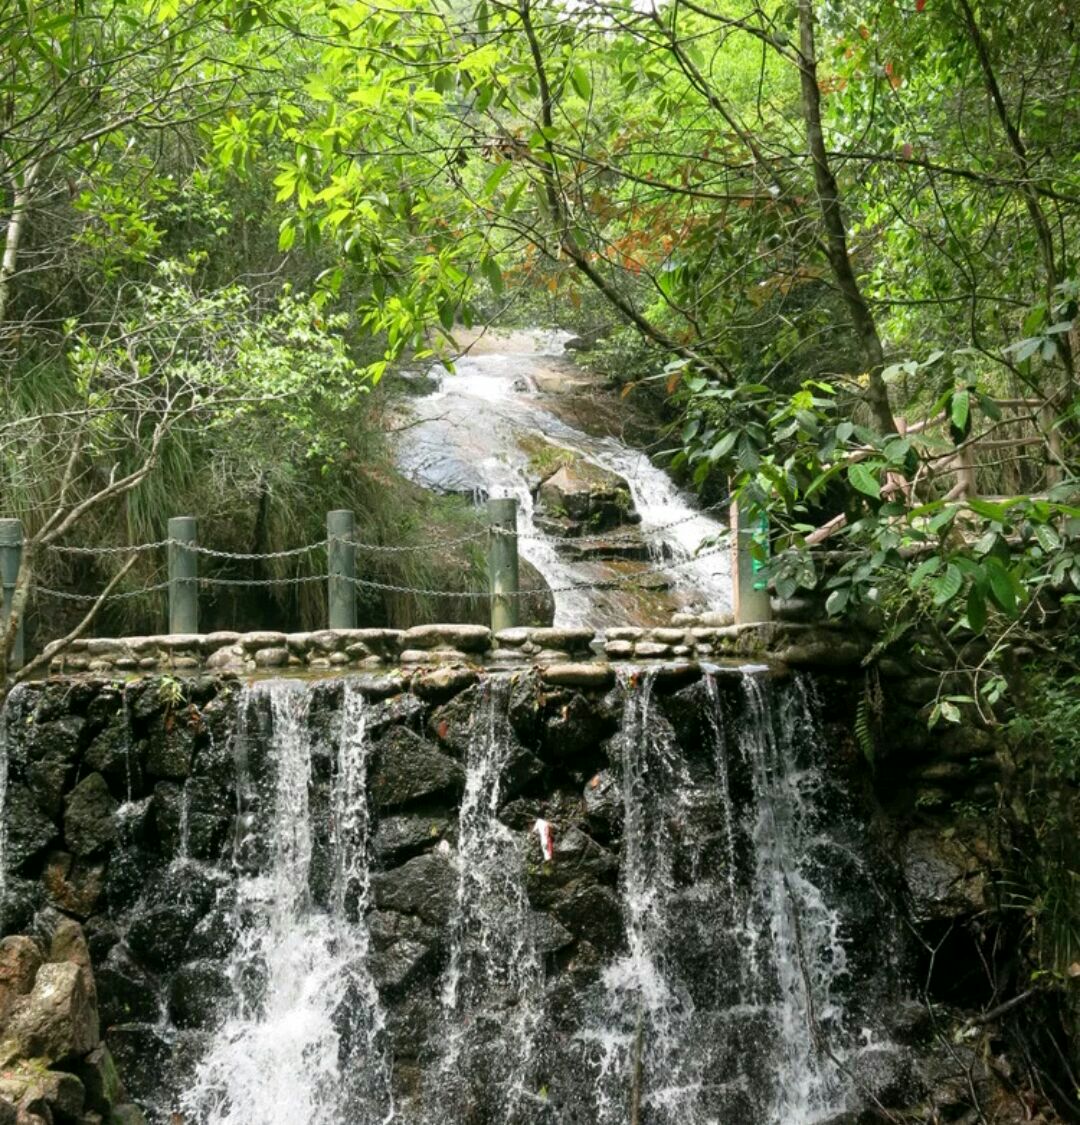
[[829, 246]]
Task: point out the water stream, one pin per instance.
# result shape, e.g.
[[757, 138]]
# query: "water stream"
[[304, 1038], [502, 394]]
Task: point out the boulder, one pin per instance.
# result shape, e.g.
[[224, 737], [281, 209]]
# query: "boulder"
[[117, 757], [47, 1095], [20, 959], [100, 1080], [408, 768], [29, 830], [595, 499], [425, 886], [579, 675], [398, 838], [402, 948], [90, 816], [72, 884], [57, 1021], [196, 993], [127, 993], [464, 638]]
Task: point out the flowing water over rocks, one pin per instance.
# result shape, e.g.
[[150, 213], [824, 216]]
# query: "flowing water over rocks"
[[499, 902], [474, 435]]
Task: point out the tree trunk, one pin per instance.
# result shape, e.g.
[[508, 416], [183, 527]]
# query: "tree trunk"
[[828, 193]]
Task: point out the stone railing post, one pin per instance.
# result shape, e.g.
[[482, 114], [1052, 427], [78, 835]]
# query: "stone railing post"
[[11, 548], [183, 576], [341, 569], [750, 590], [503, 563]]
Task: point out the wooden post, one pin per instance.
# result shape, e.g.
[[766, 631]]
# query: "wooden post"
[[11, 548], [341, 569], [503, 563], [750, 590], [183, 576]]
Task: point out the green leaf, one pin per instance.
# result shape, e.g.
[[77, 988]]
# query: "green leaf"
[[579, 78], [948, 585], [490, 269], [924, 570], [836, 602], [961, 409], [1001, 586], [864, 480], [496, 177], [1048, 538], [950, 712], [724, 446]]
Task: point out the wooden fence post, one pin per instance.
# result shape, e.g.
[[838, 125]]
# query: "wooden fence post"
[[11, 548], [503, 563], [341, 569], [750, 590], [183, 576]]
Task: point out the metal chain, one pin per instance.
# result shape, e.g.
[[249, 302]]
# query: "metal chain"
[[139, 549], [63, 595], [380, 549], [289, 554], [292, 581]]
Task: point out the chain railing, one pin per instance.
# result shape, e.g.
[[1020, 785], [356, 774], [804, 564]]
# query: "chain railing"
[[341, 548]]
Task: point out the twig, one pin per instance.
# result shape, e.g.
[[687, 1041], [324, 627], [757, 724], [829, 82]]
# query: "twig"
[[51, 650]]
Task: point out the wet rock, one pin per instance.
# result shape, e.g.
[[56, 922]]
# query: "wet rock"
[[72, 884], [196, 994], [173, 748], [126, 992], [464, 638], [592, 913], [425, 886], [69, 944], [57, 1021], [9, 1113], [115, 755], [51, 752], [403, 948], [944, 879], [159, 934], [442, 683], [604, 805], [101, 1080], [89, 816], [886, 1076], [127, 1114], [29, 830], [549, 935], [593, 498], [143, 1056], [51, 1096], [398, 838], [579, 675], [20, 959], [573, 727], [408, 768], [402, 709]]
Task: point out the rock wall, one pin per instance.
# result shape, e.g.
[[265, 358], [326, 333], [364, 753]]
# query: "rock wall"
[[562, 650], [125, 815]]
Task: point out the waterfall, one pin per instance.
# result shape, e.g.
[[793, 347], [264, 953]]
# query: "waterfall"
[[722, 1007], [303, 1040], [492, 989]]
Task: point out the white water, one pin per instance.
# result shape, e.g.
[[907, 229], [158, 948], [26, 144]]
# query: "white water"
[[493, 987], [303, 1041], [760, 1049], [469, 441]]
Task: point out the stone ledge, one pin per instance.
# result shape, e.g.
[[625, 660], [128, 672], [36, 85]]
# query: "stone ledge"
[[557, 650]]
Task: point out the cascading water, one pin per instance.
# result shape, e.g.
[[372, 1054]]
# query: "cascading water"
[[466, 438], [304, 1040], [493, 986], [725, 1006]]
